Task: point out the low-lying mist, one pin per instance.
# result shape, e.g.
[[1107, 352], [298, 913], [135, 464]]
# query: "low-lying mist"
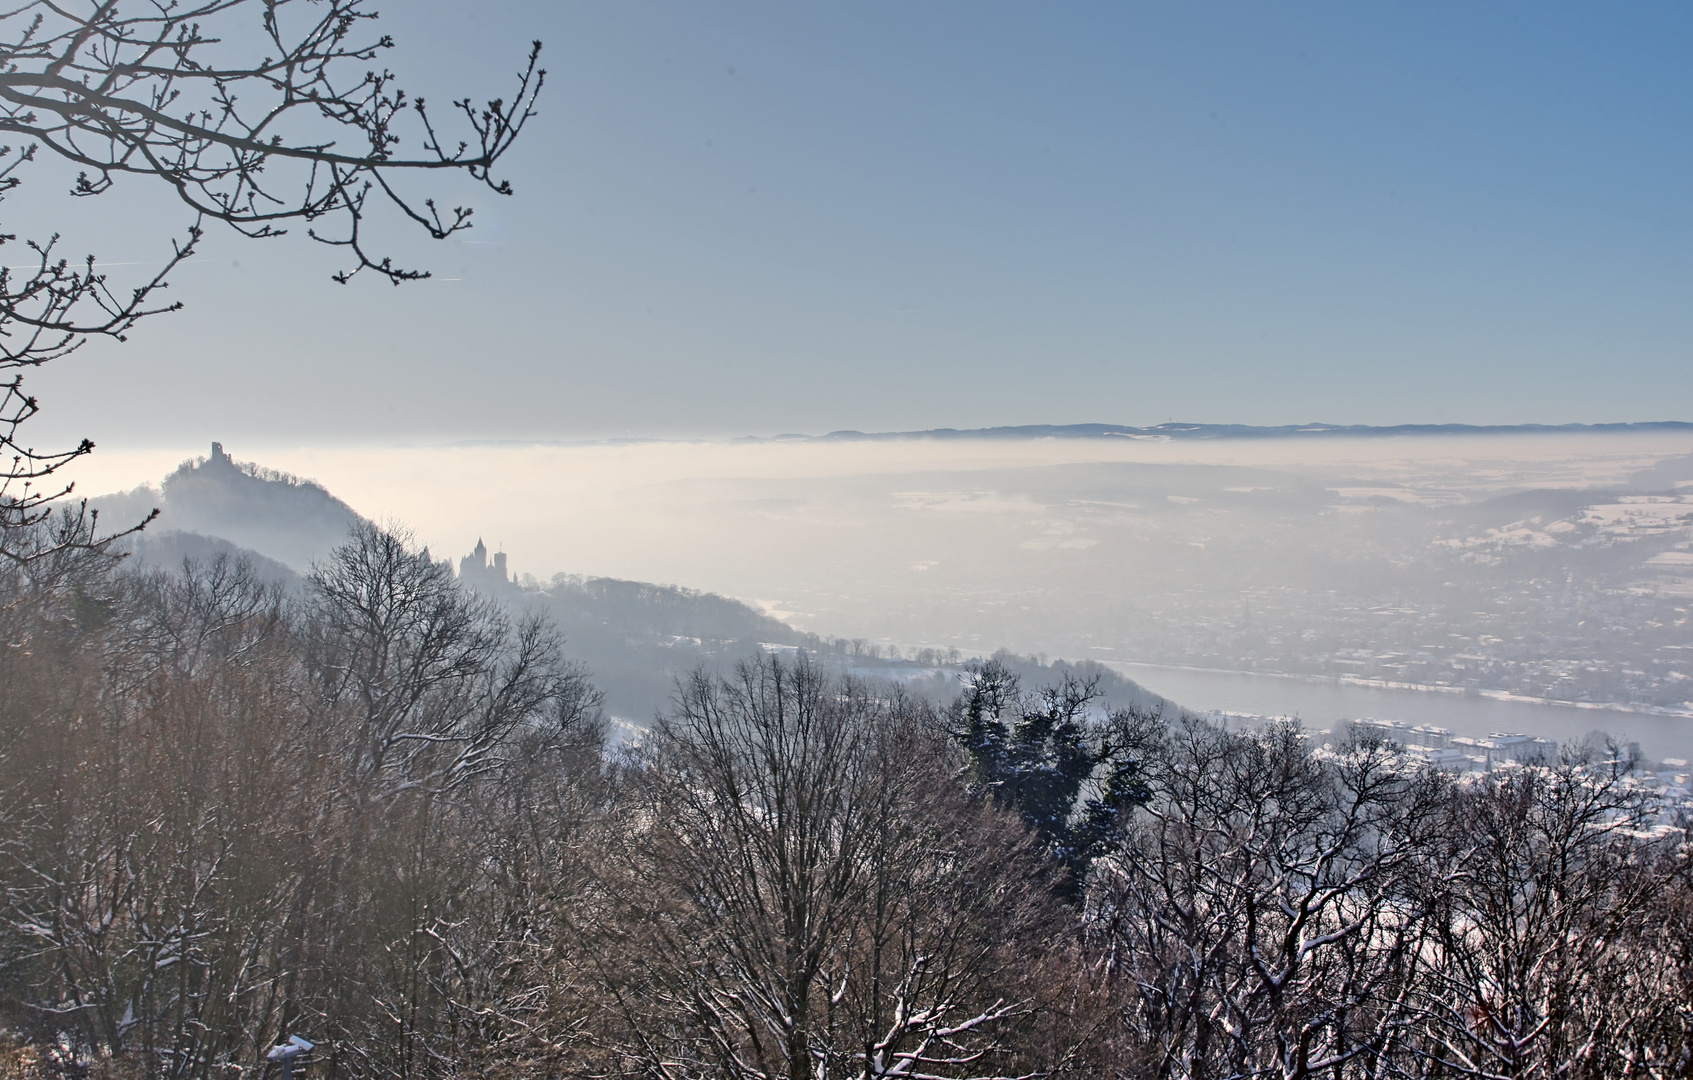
[[1546, 566]]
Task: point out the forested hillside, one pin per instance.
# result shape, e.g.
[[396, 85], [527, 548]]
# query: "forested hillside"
[[637, 639], [284, 517], [379, 811], [756, 756]]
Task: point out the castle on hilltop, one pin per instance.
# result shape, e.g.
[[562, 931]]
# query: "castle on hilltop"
[[474, 569]]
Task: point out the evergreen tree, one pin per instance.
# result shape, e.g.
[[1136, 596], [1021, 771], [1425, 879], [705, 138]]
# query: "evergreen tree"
[[1043, 757]]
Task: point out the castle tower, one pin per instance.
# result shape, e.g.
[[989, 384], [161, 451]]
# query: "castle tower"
[[474, 567]]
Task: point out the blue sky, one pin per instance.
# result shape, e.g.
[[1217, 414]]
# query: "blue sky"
[[737, 218]]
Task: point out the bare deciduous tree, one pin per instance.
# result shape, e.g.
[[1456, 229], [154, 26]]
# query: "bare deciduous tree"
[[256, 113], [429, 681], [800, 895], [1541, 958], [1260, 905], [381, 811], [196, 854], [144, 873]]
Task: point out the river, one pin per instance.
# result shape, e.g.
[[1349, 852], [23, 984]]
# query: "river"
[[1321, 702]]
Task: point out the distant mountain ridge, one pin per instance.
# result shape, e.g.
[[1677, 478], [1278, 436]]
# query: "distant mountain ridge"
[[1168, 432], [1174, 431]]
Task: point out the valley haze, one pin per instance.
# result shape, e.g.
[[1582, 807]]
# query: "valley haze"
[[1477, 565], [602, 574]]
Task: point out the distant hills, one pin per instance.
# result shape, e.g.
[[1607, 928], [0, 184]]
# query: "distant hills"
[[291, 520], [1179, 431], [637, 638], [1170, 432]]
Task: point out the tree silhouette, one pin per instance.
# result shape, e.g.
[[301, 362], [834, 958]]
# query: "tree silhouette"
[[257, 113]]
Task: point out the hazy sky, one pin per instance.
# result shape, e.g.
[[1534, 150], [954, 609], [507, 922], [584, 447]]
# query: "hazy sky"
[[751, 218]]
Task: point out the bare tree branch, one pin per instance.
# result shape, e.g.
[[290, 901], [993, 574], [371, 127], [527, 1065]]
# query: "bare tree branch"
[[256, 113]]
